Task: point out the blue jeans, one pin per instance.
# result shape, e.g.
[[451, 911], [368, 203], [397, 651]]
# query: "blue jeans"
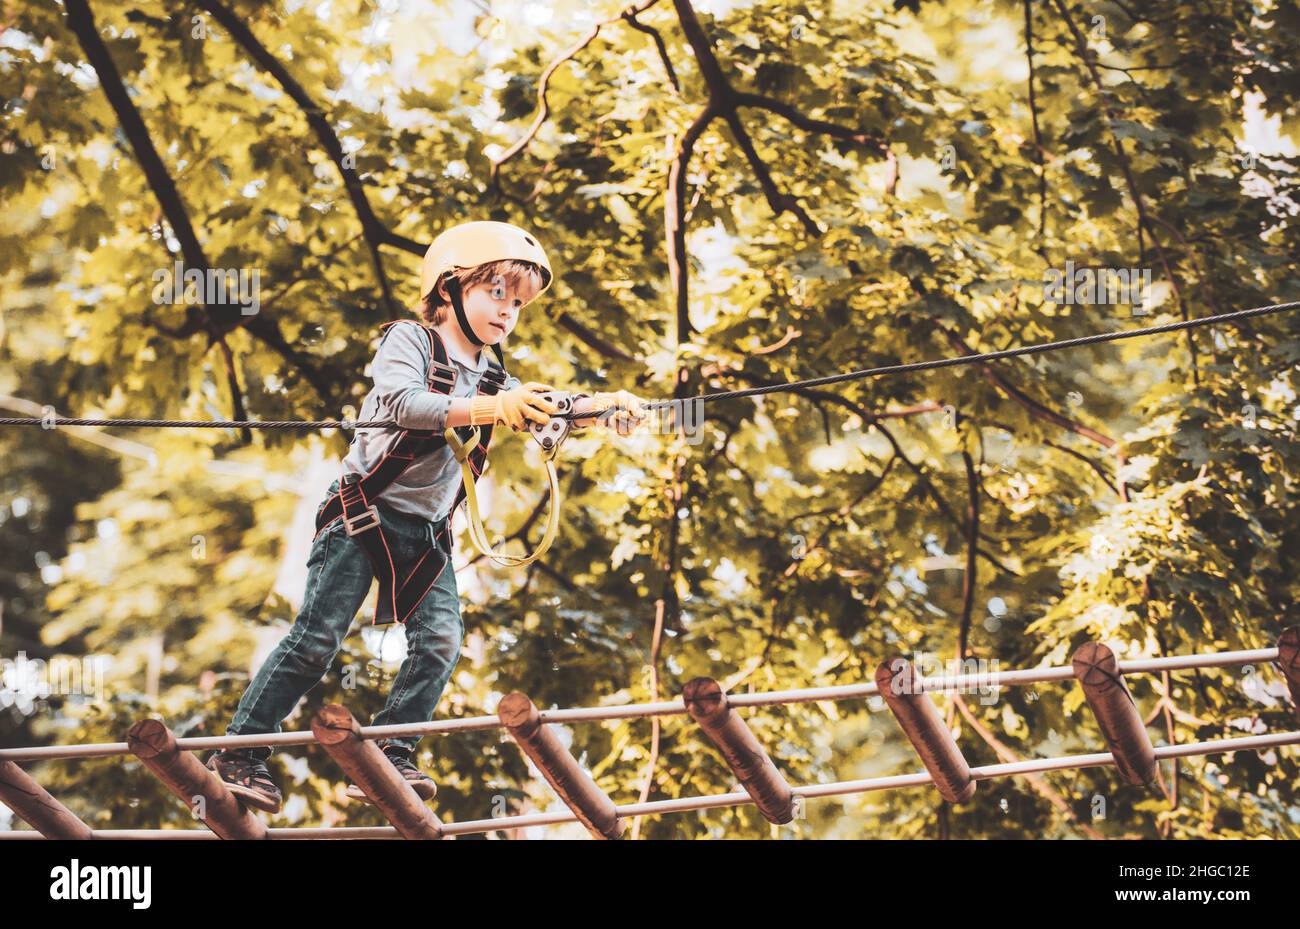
[[338, 578]]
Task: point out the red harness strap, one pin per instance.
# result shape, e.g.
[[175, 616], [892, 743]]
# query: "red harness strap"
[[402, 587]]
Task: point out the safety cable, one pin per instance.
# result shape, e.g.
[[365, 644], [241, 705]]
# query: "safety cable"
[[50, 422], [987, 356]]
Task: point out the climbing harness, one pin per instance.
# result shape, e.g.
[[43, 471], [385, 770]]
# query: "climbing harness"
[[403, 587]]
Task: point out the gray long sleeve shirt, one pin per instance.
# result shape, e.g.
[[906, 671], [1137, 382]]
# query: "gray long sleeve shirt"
[[400, 370]]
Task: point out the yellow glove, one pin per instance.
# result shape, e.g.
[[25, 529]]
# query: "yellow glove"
[[629, 406], [513, 408]]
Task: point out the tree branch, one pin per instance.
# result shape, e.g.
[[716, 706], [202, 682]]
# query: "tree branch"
[[1139, 204], [376, 232], [867, 140], [972, 542], [220, 319], [1035, 408], [1035, 780], [1038, 137], [922, 477], [656, 640], [630, 15], [544, 106], [1089, 462], [675, 225], [605, 347], [778, 201]]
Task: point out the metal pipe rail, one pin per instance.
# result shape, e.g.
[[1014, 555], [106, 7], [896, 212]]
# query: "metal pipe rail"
[[737, 798], [936, 684]]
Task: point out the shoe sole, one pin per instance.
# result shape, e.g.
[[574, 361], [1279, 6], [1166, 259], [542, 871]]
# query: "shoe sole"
[[252, 797], [425, 790]]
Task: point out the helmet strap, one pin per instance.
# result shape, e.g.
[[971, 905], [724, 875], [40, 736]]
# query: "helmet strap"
[[453, 288]]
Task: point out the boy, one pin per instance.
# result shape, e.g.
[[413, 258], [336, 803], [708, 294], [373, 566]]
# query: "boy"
[[389, 515]]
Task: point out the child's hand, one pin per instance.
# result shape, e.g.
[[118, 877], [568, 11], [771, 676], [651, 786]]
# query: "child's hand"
[[514, 408], [629, 407]]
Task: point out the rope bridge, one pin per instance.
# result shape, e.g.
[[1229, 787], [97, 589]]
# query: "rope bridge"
[[1094, 667]]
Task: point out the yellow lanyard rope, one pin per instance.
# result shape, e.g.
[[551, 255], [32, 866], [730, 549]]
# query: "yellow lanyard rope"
[[477, 534]]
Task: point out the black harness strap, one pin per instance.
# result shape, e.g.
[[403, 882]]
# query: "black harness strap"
[[402, 587]]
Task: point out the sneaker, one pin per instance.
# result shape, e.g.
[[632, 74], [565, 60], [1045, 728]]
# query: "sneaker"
[[400, 757], [247, 777]]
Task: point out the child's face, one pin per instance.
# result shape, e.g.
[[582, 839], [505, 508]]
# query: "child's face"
[[492, 307]]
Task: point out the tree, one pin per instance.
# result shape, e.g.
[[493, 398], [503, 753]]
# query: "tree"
[[767, 193]]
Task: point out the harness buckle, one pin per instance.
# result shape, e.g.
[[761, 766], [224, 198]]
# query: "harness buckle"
[[441, 374], [368, 519], [495, 378]]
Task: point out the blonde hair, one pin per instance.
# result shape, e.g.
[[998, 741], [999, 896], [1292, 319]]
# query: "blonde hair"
[[433, 309]]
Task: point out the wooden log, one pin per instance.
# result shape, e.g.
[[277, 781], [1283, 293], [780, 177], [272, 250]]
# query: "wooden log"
[[571, 783], [746, 757], [364, 762], [197, 787], [1097, 671], [33, 805], [899, 685]]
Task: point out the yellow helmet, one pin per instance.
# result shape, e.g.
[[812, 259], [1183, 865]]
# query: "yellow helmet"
[[471, 244]]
